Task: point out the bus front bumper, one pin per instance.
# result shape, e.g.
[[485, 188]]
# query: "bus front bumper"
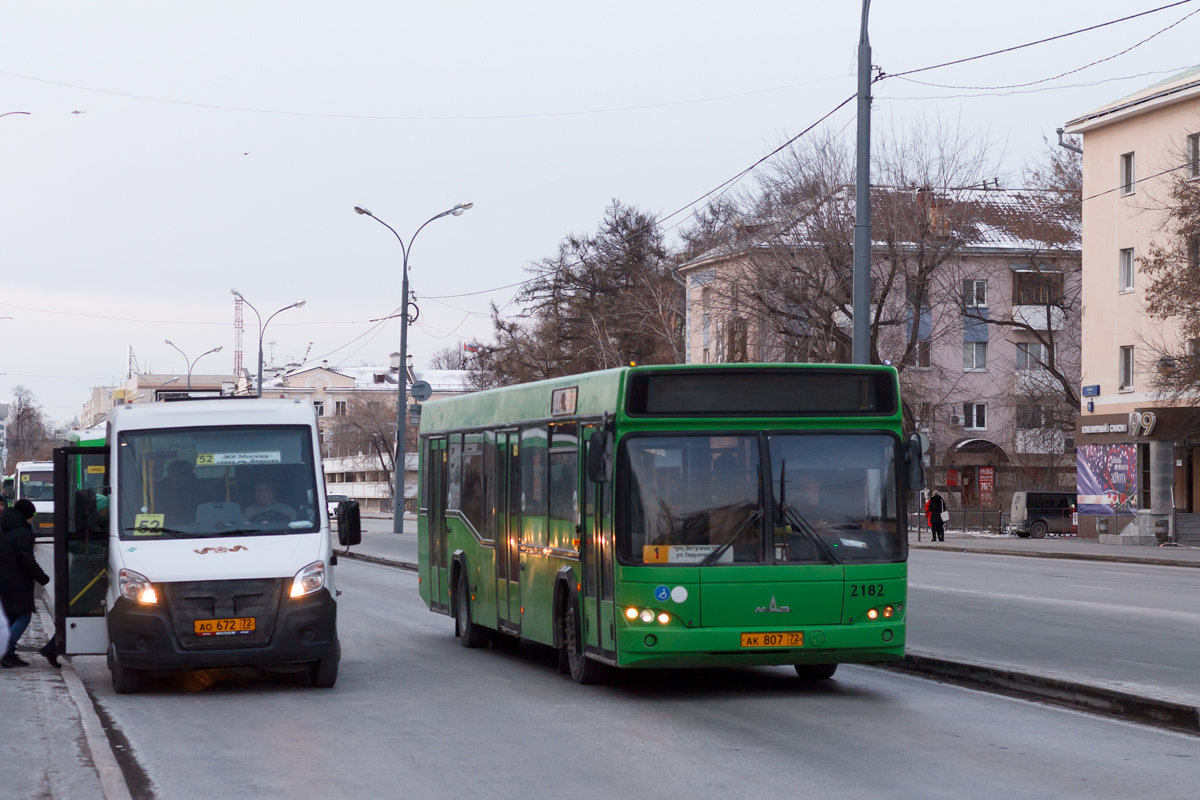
[[676, 646], [142, 637]]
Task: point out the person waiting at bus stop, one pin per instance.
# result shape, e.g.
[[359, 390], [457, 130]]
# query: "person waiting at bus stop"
[[934, 508], [18, 571]]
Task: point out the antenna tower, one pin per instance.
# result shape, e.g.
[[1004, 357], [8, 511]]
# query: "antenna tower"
[[237, 336]]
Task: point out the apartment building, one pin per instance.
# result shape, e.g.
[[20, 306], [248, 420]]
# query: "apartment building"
[[1139, 480]]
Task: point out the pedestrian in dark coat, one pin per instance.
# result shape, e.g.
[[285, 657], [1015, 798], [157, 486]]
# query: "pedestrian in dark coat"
[[18, 572], [933, 510]]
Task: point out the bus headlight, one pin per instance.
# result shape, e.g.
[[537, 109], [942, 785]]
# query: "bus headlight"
[[631, 613], [664, 618], [647, 615], [873, 614], [136, 587], [308, 580]]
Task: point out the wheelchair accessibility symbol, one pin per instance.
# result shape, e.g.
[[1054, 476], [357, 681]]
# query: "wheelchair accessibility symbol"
[[661, 593]]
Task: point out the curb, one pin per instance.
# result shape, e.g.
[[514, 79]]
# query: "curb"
[[1149, 561], [1079, 696], [387, 562]]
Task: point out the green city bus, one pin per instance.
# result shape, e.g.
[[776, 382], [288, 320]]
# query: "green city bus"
[[673, 516]]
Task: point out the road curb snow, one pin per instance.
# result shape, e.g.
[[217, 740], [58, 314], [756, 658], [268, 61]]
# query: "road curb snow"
[[1151, 561], [1080, 696]]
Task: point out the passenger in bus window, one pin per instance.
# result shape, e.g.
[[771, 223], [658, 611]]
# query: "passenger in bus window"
[[178, 493]]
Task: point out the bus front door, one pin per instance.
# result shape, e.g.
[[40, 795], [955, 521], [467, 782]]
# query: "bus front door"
[[599, 611], [80, 549]]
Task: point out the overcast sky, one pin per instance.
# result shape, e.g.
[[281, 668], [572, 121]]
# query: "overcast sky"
[[174, 151]]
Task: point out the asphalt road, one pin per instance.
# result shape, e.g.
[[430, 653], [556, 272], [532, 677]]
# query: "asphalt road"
[[1130, 626], [415, 714]]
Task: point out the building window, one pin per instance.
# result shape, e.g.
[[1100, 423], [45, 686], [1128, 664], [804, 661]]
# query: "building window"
[[1128, 176], [974, 356], [923, 418], [1193, 156], [974, 294], [975, 416], [339, 408], [1125, 369], [921, 356], [1031, 416], [319, 405], [1033, 288], [1032, 355], [1125, 270], [1143, 457]]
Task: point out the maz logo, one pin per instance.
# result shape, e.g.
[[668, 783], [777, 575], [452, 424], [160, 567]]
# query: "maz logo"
[[774, 609], [233, 549]]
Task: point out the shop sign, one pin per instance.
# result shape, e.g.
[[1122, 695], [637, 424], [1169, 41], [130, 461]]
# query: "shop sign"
[[1142, 423], [987, 485], [1115, 427]]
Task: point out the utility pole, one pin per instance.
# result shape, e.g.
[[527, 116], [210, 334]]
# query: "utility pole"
[[862, 202]]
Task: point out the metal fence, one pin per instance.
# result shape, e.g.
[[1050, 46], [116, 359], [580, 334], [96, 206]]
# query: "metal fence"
[[981, 520]]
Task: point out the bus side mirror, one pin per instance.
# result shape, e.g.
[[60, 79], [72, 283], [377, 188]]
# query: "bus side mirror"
[[599, 457], [914, 466], [87, 516], [349, 524]]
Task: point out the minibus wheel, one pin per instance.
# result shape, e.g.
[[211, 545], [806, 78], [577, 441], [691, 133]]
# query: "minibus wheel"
[[1038, 530], [816, 672], [323, 673], [124, 680]]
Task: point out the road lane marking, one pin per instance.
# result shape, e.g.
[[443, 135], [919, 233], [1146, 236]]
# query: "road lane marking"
[[1093, 588], [1162, 613]]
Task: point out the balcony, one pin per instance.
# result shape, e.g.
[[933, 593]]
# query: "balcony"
[[1036, 317]]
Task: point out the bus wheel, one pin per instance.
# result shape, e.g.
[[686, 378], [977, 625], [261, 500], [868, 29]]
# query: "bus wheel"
[[323, 673], [816, 672], [1038, 530], [583, 669], [124, 680], [469, 634]]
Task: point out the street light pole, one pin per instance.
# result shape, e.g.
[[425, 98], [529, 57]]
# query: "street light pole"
[[192, 363], [402, 373], [862, 201], [262, 329]]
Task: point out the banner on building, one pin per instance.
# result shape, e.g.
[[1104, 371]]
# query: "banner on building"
[[1106, 479], [987, 487]]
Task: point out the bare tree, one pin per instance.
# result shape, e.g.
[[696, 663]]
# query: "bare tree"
[[367, 429], [451, 357], [27, 436]]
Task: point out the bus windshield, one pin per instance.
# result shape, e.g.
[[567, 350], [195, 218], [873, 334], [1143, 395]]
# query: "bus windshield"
[[217, 481], [700, 500], [37, 486]]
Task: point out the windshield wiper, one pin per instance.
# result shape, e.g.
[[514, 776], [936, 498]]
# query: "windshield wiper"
[[715, 554], [236, 532], [798, 522]]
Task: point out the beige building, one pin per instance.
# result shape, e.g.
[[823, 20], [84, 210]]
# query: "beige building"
[[1138, 475], [150, 388]]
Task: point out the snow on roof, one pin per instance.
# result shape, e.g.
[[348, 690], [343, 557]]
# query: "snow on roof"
[[1010, 220], [370, 376], [1165, 90]]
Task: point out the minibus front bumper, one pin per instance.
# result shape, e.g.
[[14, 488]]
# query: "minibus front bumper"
[[142, 637]]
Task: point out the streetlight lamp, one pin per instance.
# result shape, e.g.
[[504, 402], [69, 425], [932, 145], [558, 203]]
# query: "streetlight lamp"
[[262, 329], [402, 373], [192, 363], [164, 383]]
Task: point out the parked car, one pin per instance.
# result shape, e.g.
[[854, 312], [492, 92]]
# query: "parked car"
[[1038, 513], [331, 502]]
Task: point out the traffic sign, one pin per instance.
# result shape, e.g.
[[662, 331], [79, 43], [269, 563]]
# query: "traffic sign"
[[421, 391]]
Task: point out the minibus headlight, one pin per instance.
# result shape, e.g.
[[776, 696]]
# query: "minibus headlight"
[[136, 587], [308, 580]]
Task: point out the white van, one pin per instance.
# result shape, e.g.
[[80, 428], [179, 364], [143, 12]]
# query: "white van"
[[33, 480], [209, 547]]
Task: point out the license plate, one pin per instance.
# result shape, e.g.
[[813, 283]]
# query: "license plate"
[[223, 627], [783, 639]]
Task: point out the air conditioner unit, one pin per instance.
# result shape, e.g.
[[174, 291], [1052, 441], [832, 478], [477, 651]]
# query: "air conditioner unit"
[[956, 420]]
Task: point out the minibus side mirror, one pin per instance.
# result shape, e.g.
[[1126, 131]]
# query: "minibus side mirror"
[[599, 457], [87, 516], [349, 524], [914, 466]]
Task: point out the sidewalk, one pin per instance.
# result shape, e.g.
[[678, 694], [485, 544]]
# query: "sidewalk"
[[43, 752], [1056, 547]]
